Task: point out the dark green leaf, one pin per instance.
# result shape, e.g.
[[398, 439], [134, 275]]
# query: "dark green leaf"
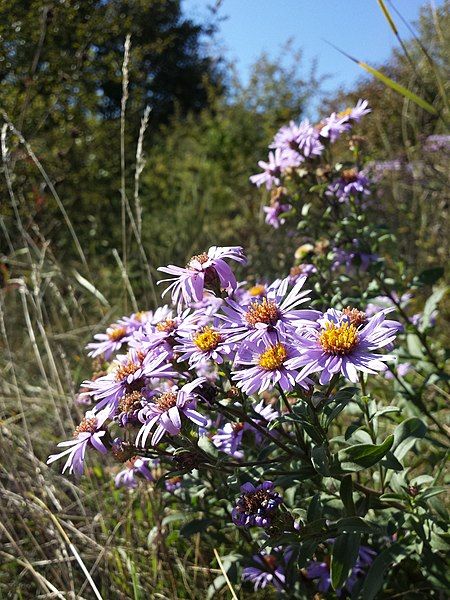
[[430, 276], [319, 458], [375, 576], [346, 494], [343, 557], [363, 456], [353, 525], [195, 526]]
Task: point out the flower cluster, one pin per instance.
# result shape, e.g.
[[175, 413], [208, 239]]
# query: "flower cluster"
[[227, 398]]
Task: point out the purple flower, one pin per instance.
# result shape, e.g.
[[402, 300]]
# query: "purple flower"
[[110, 342], [262, 364], [206, 343], [402, 369], [273, 213], [351, 258], [351, 183], [272, 170], [361, 109], [131, 373], [321, 571], [298, 141], [267, 570], [334, 126], [338, 345], [172, 484], [256, 507], [88, 433], [165, 413], [228, 439], [274, 312], [206, 270], [304, 269], [134, 467], [437, 143]]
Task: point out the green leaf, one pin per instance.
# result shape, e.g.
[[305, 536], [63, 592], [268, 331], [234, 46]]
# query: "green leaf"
[[406, 434], [430, 276], [353, 525], [195, 526], [430, 306], [343, 557], [205, 444], [319, 459], [363, 456], [314, 509], [375, 576], [346, 494], [400, 89]]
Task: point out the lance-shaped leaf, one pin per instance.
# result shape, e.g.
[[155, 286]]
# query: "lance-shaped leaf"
[[343, 558], [363, 456]]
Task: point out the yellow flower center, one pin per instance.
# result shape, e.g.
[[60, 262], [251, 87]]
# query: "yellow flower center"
[[123, 371], [116, 333], [340, 339], [201, 258], [167, 326], [273, 358], [344, 113], [257, 290], [207, 339], [265, 311], [167, 400], [87, 425]]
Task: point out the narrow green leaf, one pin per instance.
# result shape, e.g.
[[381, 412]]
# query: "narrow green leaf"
[[319, 459], [387, 14], [343, 557], [400, 89], [195, 526], [346, 494], [375, 576], [353, 525]]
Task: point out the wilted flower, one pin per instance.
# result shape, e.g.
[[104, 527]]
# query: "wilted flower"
[[256, 507], [207, 270], [137, 465]]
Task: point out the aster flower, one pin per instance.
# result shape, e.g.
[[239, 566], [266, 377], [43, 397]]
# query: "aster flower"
[[360, 110], [304, 269], [88, 433], [257, 506], [272, 170], [137, 465], [204, 344], [337, 345], [351, 258], [206, 270], [263, 363], [166, 410], [321, 571], [173, 483], [274, 312], [273, 213], [109, 343], [437, 143], [130, 373], [334, 126], [228, 439], [266, 570], [351, 183]]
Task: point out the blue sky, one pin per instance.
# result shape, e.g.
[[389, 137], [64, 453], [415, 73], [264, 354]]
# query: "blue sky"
[[356, 26]]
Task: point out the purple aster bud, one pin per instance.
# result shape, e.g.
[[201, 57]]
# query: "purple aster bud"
[[256, 507]]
